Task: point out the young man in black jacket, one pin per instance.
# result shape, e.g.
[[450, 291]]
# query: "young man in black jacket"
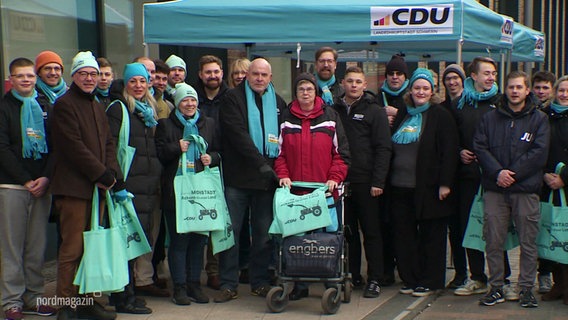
[[511, 144], [25, 170], [368, 133]]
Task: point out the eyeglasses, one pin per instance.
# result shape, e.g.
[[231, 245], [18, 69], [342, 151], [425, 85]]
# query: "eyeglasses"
[[395, 73], [84, 74], [20, 76], [326, 61], [308, 90], [50, 69]]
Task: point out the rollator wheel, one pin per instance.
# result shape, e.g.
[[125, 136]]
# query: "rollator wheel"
[[348, 288], [276, 299], [330, 301]]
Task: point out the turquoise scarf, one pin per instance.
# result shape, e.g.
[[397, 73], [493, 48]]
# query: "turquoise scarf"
[[326, 94], [409, 130], [470, 96], [189, 128], [267, 142], [170, 90], [146, 113], [52, 93], [33, 128], [558, 108], [396, 93], [102, 92]]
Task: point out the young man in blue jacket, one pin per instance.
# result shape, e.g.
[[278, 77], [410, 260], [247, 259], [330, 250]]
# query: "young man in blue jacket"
[[511, 144]]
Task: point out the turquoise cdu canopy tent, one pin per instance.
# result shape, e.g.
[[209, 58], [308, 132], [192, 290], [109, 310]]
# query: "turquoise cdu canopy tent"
[[528, 44], [438, 30]]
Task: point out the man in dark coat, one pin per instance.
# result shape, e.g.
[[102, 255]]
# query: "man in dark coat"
[[511, 144], [367, 129], [249, 124], [85, 158]]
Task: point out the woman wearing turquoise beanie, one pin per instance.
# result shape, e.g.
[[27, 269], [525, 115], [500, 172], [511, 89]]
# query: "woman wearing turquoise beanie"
[[423, 165], [143, 178]]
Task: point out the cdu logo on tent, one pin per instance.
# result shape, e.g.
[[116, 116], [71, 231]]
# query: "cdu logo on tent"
[[438, 19], [539, 46], [507, 30]]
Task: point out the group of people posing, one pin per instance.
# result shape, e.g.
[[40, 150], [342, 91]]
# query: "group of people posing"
[[410, 162]]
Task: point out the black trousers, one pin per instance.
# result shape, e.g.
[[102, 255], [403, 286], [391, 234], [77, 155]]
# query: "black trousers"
[[420, 245], [362, 210]]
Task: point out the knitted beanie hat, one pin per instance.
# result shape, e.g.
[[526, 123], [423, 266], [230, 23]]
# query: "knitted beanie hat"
[[135, 69], [184, 90], [422, 73], [454, 68], [304, 76], [175, 61], [46, 57], [397, 63], [82, 60]]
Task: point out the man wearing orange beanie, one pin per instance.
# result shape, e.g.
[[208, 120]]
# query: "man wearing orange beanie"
[[49, 68]]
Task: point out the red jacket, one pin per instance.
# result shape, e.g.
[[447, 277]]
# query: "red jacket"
[[313, 147]]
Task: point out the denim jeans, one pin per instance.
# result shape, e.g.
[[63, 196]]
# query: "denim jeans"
[[260, 202], [185, 255]]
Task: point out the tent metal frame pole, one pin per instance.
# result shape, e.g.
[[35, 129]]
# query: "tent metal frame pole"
[[459, 51]]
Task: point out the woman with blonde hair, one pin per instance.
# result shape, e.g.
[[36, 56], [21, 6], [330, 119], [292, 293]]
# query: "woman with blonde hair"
[[143, 178], [238, 72]]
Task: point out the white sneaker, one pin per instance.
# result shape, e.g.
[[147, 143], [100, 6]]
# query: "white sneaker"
[[511, 292], [471, 287], [544, 283]]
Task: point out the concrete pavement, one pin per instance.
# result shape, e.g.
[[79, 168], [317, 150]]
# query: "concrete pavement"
[[390, 305]]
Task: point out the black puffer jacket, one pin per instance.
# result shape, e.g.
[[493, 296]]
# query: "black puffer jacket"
[[558, 151], [367, 129], [517, 141], [168, 134], [143, 179]]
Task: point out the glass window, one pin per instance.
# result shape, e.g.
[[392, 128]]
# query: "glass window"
[[119, 33], [32, 26]]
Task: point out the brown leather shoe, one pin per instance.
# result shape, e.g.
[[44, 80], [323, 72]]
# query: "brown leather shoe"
[[214, 282], [151, 290]]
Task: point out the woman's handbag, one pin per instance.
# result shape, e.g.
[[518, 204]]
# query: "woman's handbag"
[[200, 198], [473, 237], [104, 265], [552, 239], [294, 214]]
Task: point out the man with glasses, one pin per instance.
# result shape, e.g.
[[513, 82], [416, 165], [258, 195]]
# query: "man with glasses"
[[86, 156], [390, 96], [49, 68], [394, 87], [326, 63], [24, 198]]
